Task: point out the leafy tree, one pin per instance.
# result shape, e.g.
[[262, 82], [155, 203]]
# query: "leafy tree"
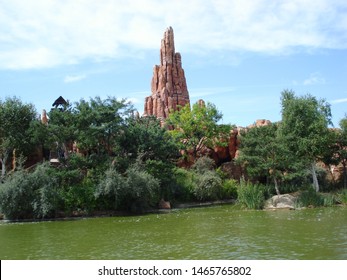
[[15, 137], [197, 128], [29, 195], [144, 138], [110, 187], [263, 153], [99, 123], [62, 130], [208, 184], [338, 149], [342, 151], [304, 128]]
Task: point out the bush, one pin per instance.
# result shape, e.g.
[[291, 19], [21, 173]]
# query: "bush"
[[184, 184], [16, 196], [230, 187], [46, 196], [29, 195], [251, 195], [208, 186], [141, 190], [309, 198], [203, 164], [110, 189], [342, 196]]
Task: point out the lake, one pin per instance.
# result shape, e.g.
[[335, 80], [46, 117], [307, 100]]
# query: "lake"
[[218, 232]]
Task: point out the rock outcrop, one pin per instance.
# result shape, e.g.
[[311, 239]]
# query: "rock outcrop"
[[284, 201], [169, 87]]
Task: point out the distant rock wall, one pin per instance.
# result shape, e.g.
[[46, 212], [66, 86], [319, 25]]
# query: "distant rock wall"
[[168, 86]]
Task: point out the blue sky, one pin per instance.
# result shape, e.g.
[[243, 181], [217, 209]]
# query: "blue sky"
[[239, 55]]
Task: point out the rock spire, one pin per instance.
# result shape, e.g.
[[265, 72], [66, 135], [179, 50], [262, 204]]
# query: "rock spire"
[[169, 87]]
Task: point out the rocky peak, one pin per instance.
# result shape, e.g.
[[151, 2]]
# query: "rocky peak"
[[168, 86]]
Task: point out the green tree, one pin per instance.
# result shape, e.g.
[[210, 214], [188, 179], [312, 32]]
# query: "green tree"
[[263, 153], [338, 149], [304, 128], [15, 138], [99, 123], [62, 130], [342, 148], [29, 194], [198, 128], [146, 138]]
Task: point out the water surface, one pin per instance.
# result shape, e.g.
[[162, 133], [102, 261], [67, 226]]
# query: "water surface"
[[218, 232]]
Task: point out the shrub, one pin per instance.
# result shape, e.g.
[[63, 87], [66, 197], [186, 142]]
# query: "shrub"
[[251, 195], [230, 187], [141, 189], [46, 196], [109, 189], [184, 184], [342, 196], [208, 186], [29, 195], [16, 196], [309, 198], [203, 164]]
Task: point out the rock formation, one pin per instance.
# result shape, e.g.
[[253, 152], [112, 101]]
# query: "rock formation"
[[169, 87]]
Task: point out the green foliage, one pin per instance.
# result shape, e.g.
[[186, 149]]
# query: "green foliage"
[[16, 197], [29, 195], [304, 128], [230, 188], [208, 186], [135, 191], [198, 127], [15, 133], [46, 195], [342, 196], [251, 195], [163, 171], [99, 123], [141, 189], [111, 188], [185, 184], [203, 164], [310, 198], [264, 154]]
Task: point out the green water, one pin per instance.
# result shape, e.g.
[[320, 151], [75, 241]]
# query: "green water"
[[219, 232]]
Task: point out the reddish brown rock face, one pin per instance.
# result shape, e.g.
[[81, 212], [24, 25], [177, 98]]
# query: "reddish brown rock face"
[[169, 87]]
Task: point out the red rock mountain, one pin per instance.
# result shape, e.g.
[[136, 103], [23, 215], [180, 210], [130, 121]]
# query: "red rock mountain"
[[169, 87]]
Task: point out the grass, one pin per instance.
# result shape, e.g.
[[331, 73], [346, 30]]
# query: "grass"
[[251, 195]]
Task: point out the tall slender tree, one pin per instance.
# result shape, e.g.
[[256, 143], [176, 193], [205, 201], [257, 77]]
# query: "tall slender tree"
[[263, 153], [304, 128], [16, 118]]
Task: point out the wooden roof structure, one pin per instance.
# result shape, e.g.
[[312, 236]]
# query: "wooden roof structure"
[[60, 101]]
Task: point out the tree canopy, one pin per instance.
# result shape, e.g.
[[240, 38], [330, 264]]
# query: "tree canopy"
[[304, 128], [197, 127]]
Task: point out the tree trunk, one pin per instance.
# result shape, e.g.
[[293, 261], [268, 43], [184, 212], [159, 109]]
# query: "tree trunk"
[[14, 160], [3, 164], [314, 177], [276, 186], [344, 174]]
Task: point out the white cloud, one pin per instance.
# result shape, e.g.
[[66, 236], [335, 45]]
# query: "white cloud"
[[314, 79], [41, 33], [338, 101]]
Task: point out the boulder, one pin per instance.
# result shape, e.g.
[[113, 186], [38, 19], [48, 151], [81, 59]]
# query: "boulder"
[[164, 204], [283, 201]]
